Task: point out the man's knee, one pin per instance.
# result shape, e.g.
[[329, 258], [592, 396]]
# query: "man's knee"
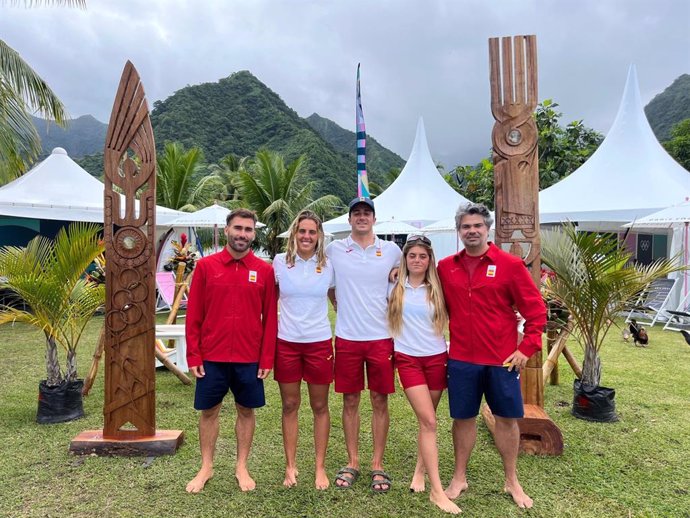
[[210, 414], [506, 424], [379, 402], [243, 412], [351, 402]]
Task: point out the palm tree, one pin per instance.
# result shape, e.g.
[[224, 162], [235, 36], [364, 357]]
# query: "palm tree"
[[277, 193], [594, 281], [48, 276], [227, 171], [23, 93], [388, 178], [181, 183]]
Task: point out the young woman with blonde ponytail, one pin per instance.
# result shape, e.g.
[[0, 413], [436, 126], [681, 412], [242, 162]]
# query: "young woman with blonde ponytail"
[[417, 319]]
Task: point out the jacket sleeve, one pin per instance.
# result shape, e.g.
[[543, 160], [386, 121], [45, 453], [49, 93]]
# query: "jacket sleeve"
[[530, 304], [196, 311], [269, 321]]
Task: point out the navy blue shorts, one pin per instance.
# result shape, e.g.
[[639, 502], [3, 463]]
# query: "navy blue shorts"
[[240, 378], [468, 382]]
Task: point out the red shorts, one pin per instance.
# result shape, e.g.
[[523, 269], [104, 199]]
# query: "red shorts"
[[422, 370], [311, 362], [350, 358]]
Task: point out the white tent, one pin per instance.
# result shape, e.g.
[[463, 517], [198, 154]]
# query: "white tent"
[[418, 196], [394, 227], [628, 177], [676, 218], [213, 216], [58, 189]]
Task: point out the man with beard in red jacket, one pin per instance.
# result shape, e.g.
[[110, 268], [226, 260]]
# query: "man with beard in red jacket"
[[483, 286]]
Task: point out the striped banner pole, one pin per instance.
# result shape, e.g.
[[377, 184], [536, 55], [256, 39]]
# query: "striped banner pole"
[[362, 180]]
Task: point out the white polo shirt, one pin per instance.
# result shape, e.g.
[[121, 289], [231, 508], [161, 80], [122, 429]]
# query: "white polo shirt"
[[418, 337], [361, 287], [303, 301]]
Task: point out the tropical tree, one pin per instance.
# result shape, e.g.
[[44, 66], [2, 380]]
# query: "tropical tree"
[[48, 276], [23, 93], [277, 193], [476, 183], [561, 151], [594, 281], [181, 183], [227, 171], [679, 145], [388, 178]]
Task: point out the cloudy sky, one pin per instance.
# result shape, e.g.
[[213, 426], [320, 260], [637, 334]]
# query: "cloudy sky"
[[424, 58]]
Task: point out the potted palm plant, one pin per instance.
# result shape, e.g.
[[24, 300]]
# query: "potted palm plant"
[[57, 298], [594, 281]]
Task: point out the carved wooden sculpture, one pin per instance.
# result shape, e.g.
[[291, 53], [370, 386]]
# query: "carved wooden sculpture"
[[513, 76], [130, 165], [129, 226]]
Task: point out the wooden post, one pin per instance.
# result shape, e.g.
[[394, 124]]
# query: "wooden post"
[[513, 79], [572, 362], [93, 371], [551, 337], [557, 346], [130, 379]]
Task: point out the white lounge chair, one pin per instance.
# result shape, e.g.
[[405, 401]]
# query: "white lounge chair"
[[651, 303], [679, 318]]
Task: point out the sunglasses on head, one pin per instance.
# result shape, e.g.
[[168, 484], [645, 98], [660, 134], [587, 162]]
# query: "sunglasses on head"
[[418, 237]]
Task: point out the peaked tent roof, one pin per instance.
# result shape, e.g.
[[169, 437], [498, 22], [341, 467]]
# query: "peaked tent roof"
[[418, 196], [57, 188], [629, 176]]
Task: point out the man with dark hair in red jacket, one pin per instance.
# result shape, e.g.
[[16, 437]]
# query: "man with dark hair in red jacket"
[[483, 286]]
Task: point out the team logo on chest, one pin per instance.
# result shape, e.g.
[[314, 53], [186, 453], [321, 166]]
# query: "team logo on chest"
[[252, 276], [318, 269], [491, 270]]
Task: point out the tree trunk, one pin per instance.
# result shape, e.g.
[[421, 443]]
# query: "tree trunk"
[[591, 367], [71, 374], [53, 374]]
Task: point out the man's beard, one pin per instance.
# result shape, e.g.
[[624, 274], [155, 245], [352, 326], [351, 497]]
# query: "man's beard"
[[239, 245]]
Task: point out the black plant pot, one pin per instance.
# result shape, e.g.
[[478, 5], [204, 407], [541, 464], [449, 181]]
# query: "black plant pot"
[[594, 403], [60, 403]]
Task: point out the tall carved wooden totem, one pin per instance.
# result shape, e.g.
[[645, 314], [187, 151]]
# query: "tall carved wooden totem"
[[513, 77], [129, 226], [130, 165]]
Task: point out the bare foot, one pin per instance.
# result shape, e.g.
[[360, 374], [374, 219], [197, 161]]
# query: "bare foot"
[[455, 488], [519, 496], [321, 480], [444, 503], [417, 484], [197, 483], [290, 477], [245, 480]]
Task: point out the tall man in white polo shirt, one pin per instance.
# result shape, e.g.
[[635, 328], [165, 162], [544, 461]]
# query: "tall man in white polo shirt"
[[362, 263]]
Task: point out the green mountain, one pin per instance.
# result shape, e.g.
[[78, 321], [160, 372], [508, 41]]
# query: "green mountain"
[[82, 136], [379, 159], [240, 115], [669, 107]]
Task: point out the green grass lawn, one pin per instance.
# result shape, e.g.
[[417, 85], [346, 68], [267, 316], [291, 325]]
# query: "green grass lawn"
[[636, 467]]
